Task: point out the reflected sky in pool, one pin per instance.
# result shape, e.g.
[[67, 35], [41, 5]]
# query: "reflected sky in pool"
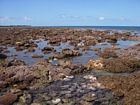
[[83, 59]]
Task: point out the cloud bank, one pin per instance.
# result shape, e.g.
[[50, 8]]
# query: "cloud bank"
[[11, 19]]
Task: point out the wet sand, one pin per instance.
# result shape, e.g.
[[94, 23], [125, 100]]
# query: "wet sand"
[[58, 66]]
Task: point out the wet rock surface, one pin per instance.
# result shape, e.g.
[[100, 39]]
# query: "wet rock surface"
[[57, 66]]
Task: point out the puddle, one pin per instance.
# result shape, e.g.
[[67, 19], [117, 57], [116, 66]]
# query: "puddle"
[[83, 59], [119, 44], [126, 43], [86, 56], [102, 45]]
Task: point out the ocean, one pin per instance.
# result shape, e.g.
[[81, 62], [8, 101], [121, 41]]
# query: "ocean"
[[133, 29]]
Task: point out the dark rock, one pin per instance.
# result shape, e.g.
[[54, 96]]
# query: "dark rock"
[[48, 49], [70, 53], [89, 97], [108, 53], [3, 56], [37, 56], [8, 99], [16, 62], [121, 64], [112, 40]]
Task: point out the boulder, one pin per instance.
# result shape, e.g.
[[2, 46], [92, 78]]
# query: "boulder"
[[8, 99]]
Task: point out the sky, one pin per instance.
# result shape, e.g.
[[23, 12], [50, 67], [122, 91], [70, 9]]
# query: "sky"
[[70, 12]]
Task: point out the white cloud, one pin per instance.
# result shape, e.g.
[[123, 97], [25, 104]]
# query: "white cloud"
[[63, 16], [70, 16], [25, 18], [9, 19], [122, 19], [6, 19], [101, 18]]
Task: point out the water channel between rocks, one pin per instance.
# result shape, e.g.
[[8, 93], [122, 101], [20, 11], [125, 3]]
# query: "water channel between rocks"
[[82, 59]]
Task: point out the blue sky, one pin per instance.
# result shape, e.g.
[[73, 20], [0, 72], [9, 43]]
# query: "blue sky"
[[70, 12]]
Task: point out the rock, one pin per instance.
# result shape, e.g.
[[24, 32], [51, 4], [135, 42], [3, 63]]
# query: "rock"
[[95, 64], [68, 78], [26, 98], [55, 41], [23, 86], [69, 95], [32, 49], [64, 62], [15, 91], [91, 88], [121, 64], [2, 84], [70, 53], [20, 43], [3, 56], [48, 49], [65, 100], [108, 53], [86, 103], [16, 62], [37, 56], [8, 99], [36, 104], [62, 76], [81, 44], [47, 98], [56, 101], [90, 77], [89, 97], [112, 40], [19, 48], [91, 42]]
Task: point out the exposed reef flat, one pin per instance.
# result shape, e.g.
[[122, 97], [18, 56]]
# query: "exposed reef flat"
[[59, 66]]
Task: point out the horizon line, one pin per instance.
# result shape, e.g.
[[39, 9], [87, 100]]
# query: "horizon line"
[[71, 25]]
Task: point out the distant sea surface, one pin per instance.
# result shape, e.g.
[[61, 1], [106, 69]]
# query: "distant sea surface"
[[133, 29]]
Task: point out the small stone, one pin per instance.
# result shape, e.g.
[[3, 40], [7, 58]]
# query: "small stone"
[[36, 104], [71, 76], [26, 98], [47, 98], [56, 101], [89, 97], [68, 101], [68, 78], [60, 103], [18, 103], [69, 95], [86, 103], [37, 56], [65, 86], [62, 76], [55, 59], [84, 86], [14, 90], [65, 100], [90, 77], [97, 85], [67, 92], [91, 88]]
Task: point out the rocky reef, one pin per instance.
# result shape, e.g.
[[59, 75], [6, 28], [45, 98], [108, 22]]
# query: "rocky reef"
[[58, 66]]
